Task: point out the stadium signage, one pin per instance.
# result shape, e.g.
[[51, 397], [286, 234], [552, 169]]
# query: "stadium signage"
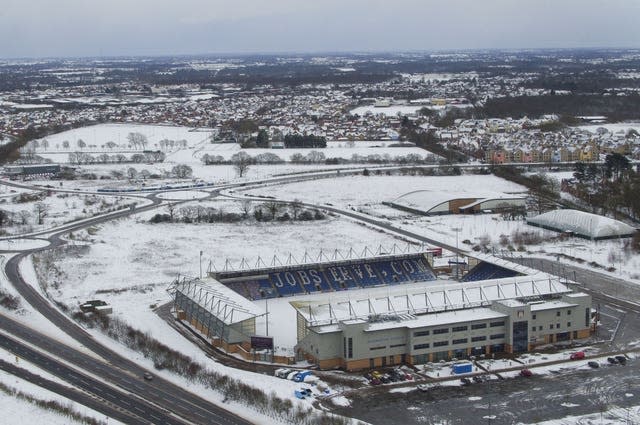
[[262, 342]]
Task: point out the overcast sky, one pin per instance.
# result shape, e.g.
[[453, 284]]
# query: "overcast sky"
[[44, 28]]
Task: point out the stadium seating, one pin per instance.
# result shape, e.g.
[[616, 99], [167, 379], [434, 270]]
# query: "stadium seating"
[[486, 271], [388, 274], [338, 276], [260, 289]]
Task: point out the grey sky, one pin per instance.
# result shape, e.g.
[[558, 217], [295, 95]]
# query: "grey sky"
[[38, 28]]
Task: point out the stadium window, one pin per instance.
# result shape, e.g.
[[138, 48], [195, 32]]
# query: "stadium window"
[[421, 346], [459, 328], [533, 317], [350, 348], [557, 325], [441, 331], [479, 326], [382, 347], [539, 328], [568, 324], [421, 333], [557, 313], [496, 324], [460, 341], [568, 312], [533, 329], [551, 326], [440, 343], [397, 345], [496, 336], [479, 338]]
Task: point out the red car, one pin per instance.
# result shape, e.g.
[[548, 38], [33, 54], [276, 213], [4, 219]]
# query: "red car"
[[577, 356], [526, 373]]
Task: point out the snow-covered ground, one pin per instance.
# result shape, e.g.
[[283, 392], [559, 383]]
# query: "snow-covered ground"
[[613, 128], [360, 191], [96, 136], [59, 208]]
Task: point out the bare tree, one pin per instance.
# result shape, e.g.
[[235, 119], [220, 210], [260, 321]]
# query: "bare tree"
[[41, 210], [137, 140], [241, 162], [273, 208], [24, 216], [246, 208], [81, 144], [171, 207]]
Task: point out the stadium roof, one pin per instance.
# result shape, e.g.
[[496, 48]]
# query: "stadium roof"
[[402, 304], [587, 225], [224, 303]]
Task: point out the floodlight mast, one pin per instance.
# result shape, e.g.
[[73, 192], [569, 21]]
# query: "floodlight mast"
[[457, 230]]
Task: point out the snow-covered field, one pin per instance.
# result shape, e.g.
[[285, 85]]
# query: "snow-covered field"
[[360, 191], [96, 136], [50, 210], [97, 140], [614, 128]]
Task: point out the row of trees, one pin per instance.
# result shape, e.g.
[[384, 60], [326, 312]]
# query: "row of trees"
[[266, 211], [241, 161], [80, 158], [304, 141]]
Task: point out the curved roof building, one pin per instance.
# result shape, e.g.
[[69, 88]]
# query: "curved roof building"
[[432, 202], [583, 224]]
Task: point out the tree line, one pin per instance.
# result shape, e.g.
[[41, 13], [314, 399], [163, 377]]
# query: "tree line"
[[263, 212]]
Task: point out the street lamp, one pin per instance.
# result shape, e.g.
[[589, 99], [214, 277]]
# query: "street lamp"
[[457, 230], [200, 265]]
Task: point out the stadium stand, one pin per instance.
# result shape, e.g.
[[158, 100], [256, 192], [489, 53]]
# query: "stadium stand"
[[328, 277], [485, 271]]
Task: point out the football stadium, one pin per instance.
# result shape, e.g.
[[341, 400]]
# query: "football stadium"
[[381, 310]]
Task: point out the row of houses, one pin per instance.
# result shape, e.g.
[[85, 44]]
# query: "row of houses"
[[588, 153]]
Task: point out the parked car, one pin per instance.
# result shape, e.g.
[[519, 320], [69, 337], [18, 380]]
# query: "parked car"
[[385, 379], [526, 373], [612, 360], [593, 364], [621, 359], [375, 381], [577, 355], [465, 381], [282, 373], [423, 387]]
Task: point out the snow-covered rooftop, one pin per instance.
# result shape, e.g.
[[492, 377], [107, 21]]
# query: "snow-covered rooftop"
[[427, 200], [226, 304], [435, 297], [585, 224]]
